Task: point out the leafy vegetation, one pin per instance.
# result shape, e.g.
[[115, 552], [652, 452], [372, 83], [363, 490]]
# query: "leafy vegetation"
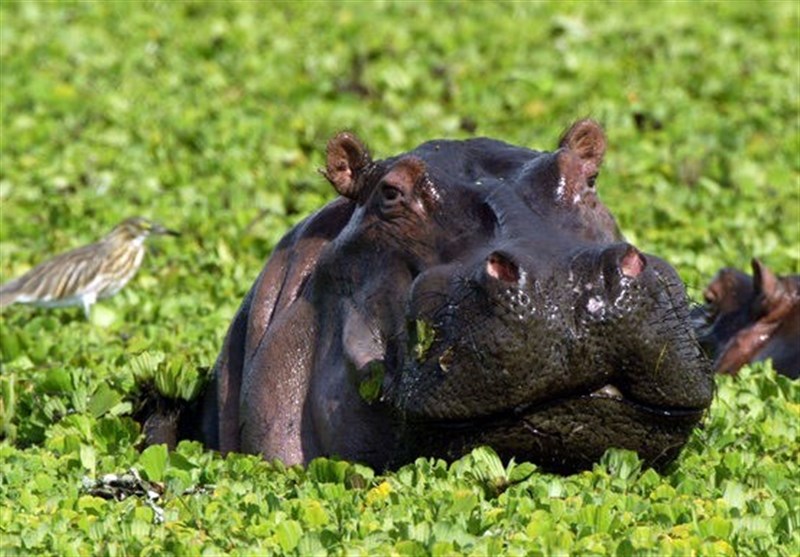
[[212, 118]]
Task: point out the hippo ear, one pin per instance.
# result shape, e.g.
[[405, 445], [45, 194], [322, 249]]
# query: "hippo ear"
[[586, 139], [347, 157], [768, 288]]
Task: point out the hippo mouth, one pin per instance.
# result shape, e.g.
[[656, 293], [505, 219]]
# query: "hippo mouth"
[[608, 393], [566, 433]]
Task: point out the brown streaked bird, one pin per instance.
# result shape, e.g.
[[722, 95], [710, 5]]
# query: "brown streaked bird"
[[84, 275]]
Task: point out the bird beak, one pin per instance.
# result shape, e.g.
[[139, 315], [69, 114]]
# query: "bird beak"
[[158, 229]]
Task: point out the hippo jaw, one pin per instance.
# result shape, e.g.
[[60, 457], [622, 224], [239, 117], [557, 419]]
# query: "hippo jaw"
[[538, 384], [562, 435]]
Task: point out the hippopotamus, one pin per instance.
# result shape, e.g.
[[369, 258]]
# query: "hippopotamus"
[[464, 293], [750, 319]]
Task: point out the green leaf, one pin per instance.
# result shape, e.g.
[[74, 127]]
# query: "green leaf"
[[521, 472], [716, 527], [735, 495], [328, 470], [288, 534], [103, 400], [310, 544], [8, 406], [621, 464], [425, 334], [57, 380], [369, 388], [314, 514], [102, 316], [10, 347], [153, 462], [410, 548], [177, 460], [88, 458], [144, 365]]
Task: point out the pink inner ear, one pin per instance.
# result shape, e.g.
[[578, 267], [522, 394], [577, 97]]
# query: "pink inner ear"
[[586, 139], [346, 157], [343, 172], [765, 282]]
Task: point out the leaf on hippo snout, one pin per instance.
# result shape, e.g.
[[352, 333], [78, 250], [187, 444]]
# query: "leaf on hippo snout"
[[424, 337], [369, 388]]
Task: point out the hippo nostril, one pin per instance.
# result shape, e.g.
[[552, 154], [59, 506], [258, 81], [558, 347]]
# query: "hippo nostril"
[[621, 261], [500, 267], [632, 262]]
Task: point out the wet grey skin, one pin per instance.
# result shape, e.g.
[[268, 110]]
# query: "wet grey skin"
[[86, 274], [464, 293]]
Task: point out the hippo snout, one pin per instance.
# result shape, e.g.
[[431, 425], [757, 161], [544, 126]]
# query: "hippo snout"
[[536, 329]]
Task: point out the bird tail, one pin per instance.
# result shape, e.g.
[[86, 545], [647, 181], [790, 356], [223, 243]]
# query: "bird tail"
[[9, 292]]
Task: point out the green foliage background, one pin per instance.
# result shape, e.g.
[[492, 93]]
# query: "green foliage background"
[[212, 118]]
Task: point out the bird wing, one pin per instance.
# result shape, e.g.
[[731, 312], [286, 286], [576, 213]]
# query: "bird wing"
[[59, 277]]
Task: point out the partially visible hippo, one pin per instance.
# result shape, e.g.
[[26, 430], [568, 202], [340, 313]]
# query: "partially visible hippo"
[[752, 319], [463, 293]]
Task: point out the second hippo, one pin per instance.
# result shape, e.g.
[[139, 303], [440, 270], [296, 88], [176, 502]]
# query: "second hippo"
[[750, 319]]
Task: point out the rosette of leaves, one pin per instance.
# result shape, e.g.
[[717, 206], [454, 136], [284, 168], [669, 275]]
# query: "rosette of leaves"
[[173, 377]]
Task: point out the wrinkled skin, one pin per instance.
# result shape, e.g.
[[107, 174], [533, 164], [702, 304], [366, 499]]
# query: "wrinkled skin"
[[750, 319], [464, 293]]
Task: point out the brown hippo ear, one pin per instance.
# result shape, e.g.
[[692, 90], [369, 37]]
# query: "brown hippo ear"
[[347, 157], [586, 139], [768, 288]]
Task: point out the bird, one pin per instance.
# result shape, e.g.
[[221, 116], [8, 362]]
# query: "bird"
[[82, 276]]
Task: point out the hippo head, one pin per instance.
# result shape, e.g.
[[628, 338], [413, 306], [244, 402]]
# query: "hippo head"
[[463, 293], [749, 319], [485, 294]]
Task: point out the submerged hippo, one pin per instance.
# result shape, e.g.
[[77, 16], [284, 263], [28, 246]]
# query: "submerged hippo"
[[752, 319], [464, 293]]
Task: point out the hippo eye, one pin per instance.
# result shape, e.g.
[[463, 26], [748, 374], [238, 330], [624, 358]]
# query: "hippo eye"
[[390, 196]]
